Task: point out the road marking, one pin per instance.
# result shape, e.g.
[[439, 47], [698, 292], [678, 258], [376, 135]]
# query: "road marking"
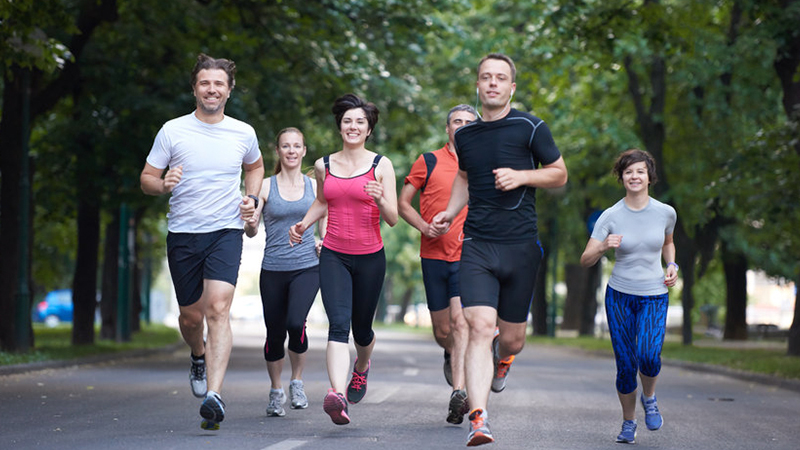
[[411, 372], [288, 444], [381, 394]]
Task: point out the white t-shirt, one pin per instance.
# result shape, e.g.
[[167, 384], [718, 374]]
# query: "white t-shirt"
[[208, 196], [638, 269]]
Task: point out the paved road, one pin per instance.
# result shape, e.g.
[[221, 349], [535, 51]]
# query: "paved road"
[[555, 399]]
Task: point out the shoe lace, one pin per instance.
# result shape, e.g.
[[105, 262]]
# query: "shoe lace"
[[359, 379], [650, 407], [198, 370], [503, 365], [628, 426]]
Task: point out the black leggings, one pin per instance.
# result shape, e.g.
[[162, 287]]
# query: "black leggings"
[[286, 298], [351, 287]]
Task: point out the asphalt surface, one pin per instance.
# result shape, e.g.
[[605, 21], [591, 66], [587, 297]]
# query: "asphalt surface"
[[556, 399]]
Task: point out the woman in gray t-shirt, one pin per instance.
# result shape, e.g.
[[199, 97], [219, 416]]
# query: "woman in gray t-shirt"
[[289, 273], [639, 228]]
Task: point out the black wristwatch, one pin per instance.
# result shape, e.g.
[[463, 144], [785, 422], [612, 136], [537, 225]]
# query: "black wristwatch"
[[255, 199]]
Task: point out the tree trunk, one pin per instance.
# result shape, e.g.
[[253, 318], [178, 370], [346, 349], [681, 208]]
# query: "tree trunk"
[[84, 284], [11, 141], [580, 305], [794, 331], [108, 301], [539, 303], [735, 266]]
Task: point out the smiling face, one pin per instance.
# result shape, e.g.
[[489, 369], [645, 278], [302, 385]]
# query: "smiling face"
[[211, 91], [495, 83], [635, 177], [354, 127], [291, 149]]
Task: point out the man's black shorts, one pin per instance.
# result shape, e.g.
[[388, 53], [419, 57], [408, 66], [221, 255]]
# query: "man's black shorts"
[[502, 276], [194, 257]]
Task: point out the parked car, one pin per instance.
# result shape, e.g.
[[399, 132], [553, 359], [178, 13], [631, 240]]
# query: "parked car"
[[55, 308]]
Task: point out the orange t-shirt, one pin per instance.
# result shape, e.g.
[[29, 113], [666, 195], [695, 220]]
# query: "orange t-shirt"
[[434, 200]]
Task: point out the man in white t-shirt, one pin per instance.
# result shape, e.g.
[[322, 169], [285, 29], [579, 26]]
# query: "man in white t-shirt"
[[204, 153]]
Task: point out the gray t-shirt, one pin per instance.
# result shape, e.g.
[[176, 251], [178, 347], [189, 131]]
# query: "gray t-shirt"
[[638, 269], [279, 215]]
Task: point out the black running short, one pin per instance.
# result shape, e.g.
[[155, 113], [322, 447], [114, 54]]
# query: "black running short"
[[502, 276], [194, 257], [441, 282]]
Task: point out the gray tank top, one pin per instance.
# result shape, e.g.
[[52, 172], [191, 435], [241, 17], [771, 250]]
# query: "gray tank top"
[[279, 215]]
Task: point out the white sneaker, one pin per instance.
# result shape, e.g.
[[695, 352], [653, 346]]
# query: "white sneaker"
[[276, 400], [298, 395]]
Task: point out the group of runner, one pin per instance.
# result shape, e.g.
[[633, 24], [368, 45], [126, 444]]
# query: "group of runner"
[[478, 262]]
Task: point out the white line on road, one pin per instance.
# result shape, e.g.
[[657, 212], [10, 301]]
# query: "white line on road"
[[381, 394], [288, 444], [411, 372]]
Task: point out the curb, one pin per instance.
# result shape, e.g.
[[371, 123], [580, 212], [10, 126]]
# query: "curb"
[[16, 369]]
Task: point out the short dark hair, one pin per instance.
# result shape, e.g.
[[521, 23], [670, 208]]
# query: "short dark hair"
[[277, 169], [461, 107], [633, 156], [351, 101], [205, 62], [501, 57]]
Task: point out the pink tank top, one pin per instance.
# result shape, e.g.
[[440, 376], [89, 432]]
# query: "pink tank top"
[[354, 221]]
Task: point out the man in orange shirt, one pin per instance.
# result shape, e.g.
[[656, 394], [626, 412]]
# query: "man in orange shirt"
[[432, 175]]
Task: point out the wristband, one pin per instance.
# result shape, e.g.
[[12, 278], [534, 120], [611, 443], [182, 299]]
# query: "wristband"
[[677, 268], [255, 200]]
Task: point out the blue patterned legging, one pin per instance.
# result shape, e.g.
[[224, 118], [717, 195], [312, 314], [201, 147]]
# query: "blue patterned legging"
[[637, 325]]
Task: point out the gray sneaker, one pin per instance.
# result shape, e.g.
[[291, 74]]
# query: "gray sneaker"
[[298, 395], [212, 411], [276, 400], [197, 377], [479, 432]]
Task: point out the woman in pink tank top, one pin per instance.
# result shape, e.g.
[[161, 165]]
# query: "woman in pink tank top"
[[357, 188]]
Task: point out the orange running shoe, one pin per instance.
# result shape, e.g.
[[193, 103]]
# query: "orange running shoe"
[[501, 367], [479, 432]]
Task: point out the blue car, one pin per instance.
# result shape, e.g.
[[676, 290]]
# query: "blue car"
[[55, 308]]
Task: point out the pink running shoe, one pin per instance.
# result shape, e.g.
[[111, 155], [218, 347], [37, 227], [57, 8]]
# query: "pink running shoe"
[[335, 406]]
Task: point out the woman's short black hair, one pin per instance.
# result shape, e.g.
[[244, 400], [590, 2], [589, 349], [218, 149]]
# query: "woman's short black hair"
[[351, 101]]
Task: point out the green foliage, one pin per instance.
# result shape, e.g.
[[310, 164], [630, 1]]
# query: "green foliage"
[[54, 344], [23, 39]]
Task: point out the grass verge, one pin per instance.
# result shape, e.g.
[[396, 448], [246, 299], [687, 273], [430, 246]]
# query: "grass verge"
[[55, 344], [773, 362]]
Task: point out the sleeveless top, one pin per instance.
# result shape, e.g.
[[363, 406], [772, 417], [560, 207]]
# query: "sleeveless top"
[[279, 215], [354, 221]]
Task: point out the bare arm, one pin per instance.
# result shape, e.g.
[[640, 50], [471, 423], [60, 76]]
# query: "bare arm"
[[595, 249], [668, 253], [552, 175], [410, 214], [152, 183], [316, 211], [383, 191], [251, 226], [459, 197], [253, 176]]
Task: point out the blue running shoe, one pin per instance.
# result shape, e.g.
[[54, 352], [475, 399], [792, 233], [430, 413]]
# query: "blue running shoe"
[[213, 411], [652, 418], [628, 433]]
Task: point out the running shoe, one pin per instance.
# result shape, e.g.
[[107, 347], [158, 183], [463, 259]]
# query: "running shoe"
[[276, 400], [652, 418], [501, 366], [448, 369], [197, 377], [357, 387], [298, 394], [459, 405], [213, 411], [335, 406], [479, 432], [628, 433]]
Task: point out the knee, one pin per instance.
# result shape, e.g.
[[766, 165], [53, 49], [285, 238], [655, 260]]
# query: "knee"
[[190, 319], [512, 345]]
